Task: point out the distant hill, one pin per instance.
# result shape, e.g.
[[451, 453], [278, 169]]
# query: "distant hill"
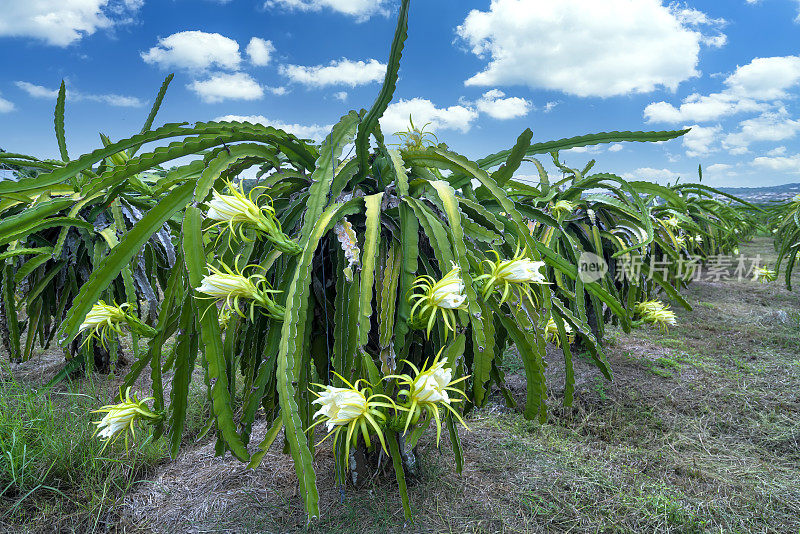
[[764, 194]]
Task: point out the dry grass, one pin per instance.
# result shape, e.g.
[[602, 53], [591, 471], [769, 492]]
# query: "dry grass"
[[698, 432]]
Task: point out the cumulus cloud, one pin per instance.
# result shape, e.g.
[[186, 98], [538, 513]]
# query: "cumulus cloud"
[[751, 88], [423, 111], [590, 149], [701, 140], [770, 126], [194, 51], [789, 164], [39, 91], [341, 72], [199, 52], [615, 147], [260, 51], [720, 173], [461, 117], [717, 168], [701, 108], [361, 10], [650, 174], [6, 106], [766, 78], [305, 131], [63, 22], [496, 105], [224, 86], [340, 95], [584, 47], [277, 91]]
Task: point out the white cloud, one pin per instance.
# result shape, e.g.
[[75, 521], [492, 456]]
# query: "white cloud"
[[494, 104], [340, 95], [615, 147], [197, 52], [779, 164], [277, 91], [751, 88], [6, 106], [224, 86], [720, 173], [62, 22], [590, 149], [766, 78], [700, 140], [701, 108], [313, 131], [717, 168], [693, 17], [715, 41], [651, 174], [777, 151], [771, 126], [550, 106], [39, 91], [341, 72], [362, 10], [585, 47], [194, 50], [111, 100], [260, 51], [423, 111]]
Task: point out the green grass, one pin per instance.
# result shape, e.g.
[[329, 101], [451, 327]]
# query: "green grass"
[[54, 471], [52, 466], [698, 432]]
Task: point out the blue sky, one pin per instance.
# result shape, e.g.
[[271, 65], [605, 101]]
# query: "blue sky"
[[479, 71]]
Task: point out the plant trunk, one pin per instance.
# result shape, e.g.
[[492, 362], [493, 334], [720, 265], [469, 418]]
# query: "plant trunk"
[[367, 465], [5, 335]]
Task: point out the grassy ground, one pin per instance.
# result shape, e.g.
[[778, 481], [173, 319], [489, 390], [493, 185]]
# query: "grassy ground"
[[55, 475], [698, 432]]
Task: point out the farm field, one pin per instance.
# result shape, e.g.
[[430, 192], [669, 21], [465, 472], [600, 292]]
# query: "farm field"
[[545, 282], [698, 432]]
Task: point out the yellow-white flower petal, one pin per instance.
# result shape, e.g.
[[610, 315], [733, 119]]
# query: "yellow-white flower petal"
[[226, 285], [522, 271], [232, 208], [449, 291], [102, 314], [429, 385], [340, 405]]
